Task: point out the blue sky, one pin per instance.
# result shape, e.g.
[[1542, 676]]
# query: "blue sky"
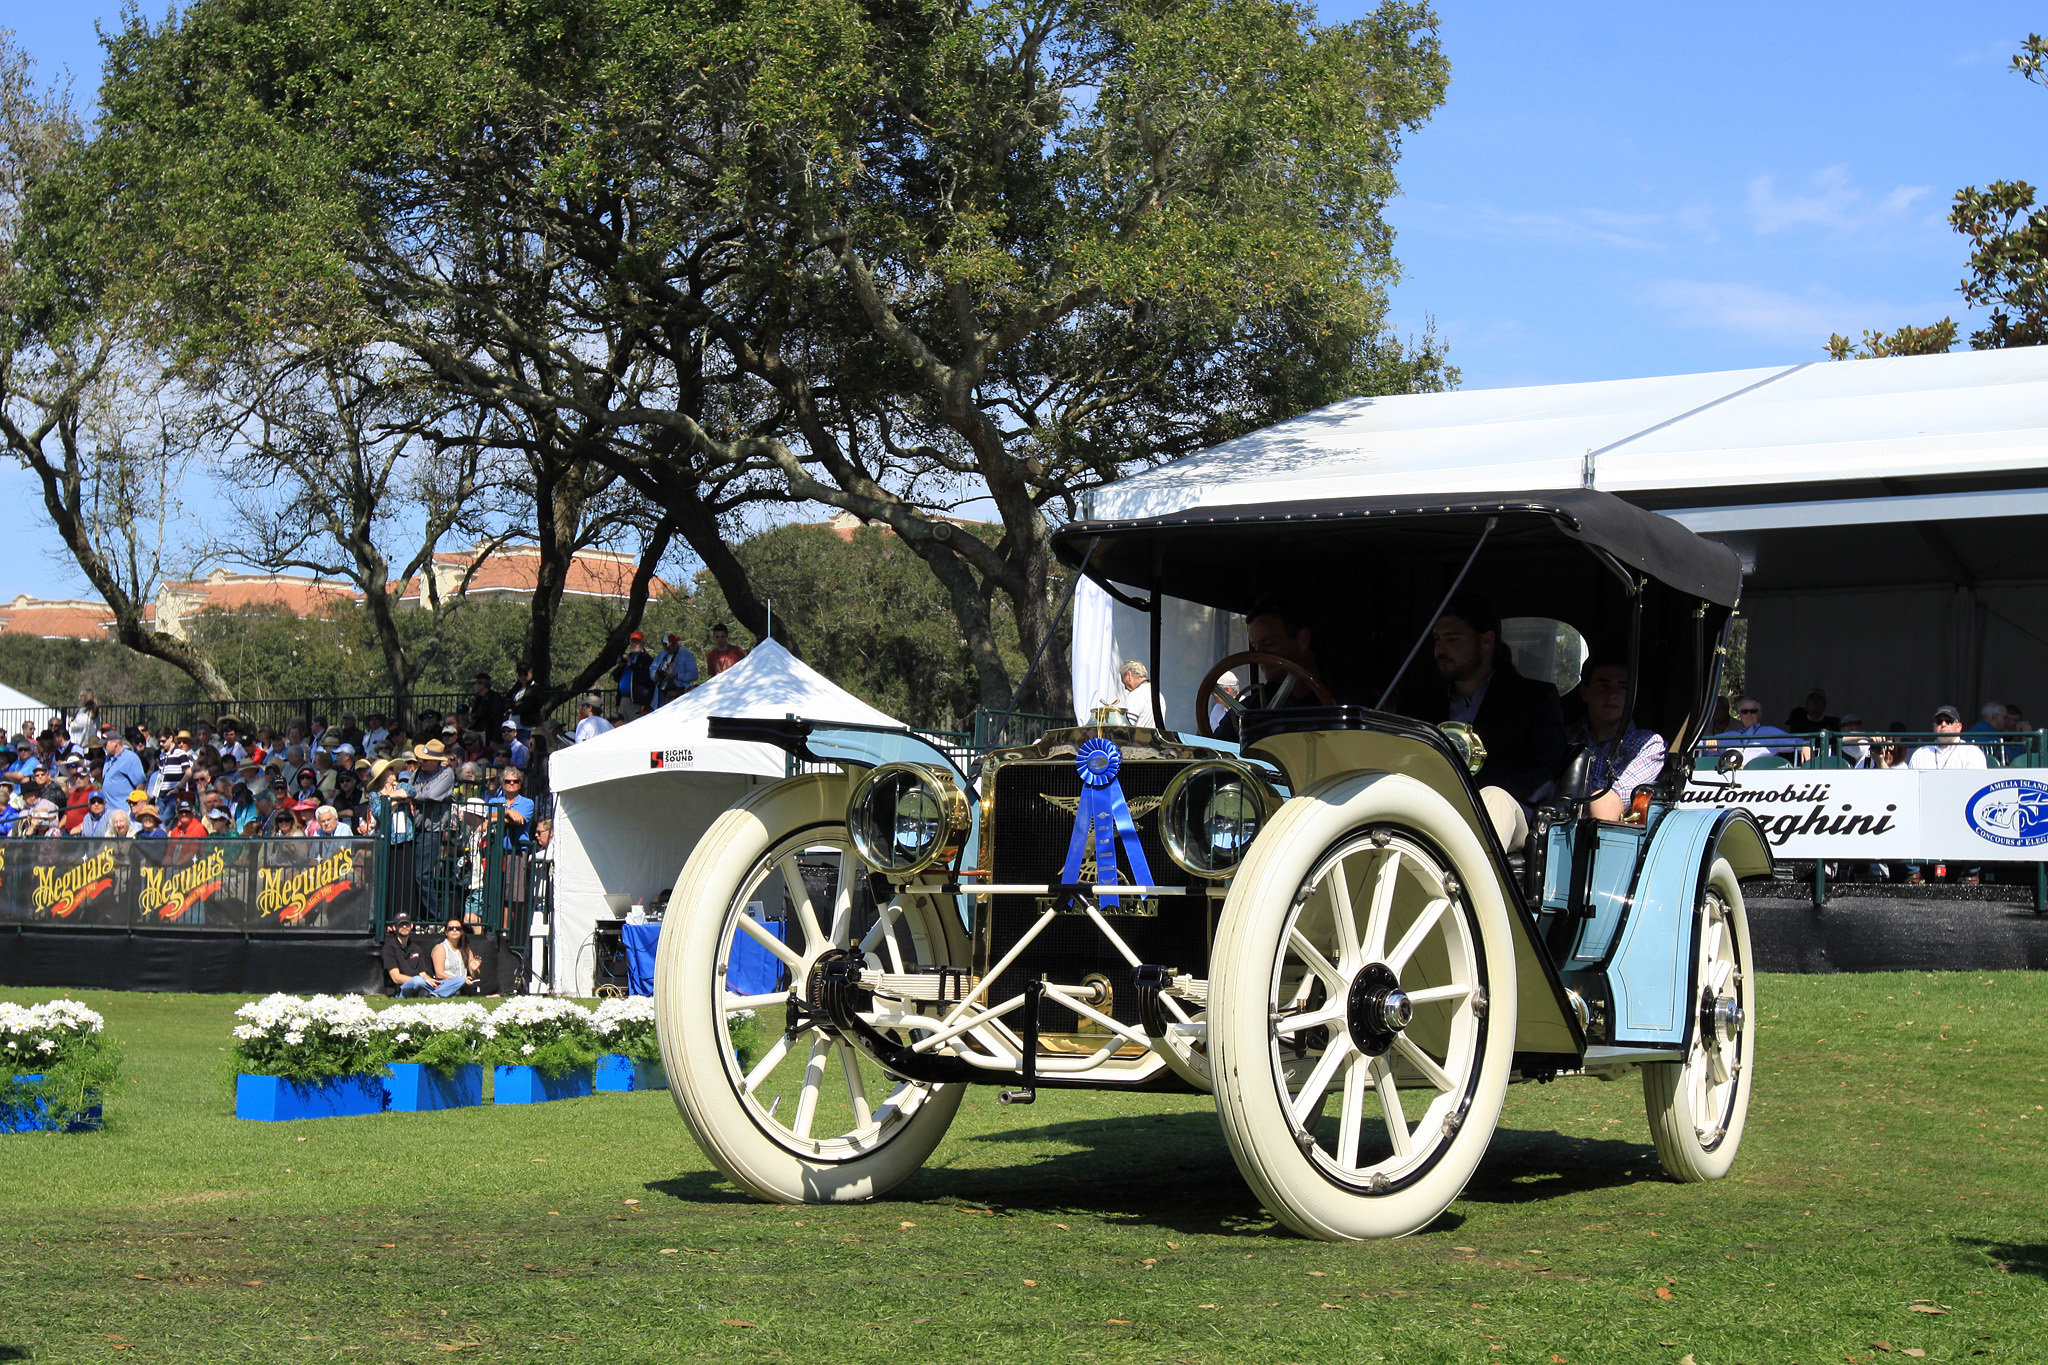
[[1615, 190]]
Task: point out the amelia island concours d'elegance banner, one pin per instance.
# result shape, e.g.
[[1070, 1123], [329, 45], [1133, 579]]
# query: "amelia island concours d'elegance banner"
[[237, 884], [1891, 815]]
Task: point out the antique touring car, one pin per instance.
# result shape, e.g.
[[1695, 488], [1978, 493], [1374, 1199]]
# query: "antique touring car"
[[1325, 923]]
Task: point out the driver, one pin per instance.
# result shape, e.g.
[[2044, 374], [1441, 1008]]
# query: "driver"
[[1518, 719], [1279, 629]]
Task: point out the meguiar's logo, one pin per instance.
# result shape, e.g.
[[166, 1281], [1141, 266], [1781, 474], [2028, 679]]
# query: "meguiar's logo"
[[2013, 812], [171, 894], [59, 892], [291, 898]]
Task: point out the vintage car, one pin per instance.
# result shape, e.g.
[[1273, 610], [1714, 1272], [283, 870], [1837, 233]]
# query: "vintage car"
[[1319, 923]]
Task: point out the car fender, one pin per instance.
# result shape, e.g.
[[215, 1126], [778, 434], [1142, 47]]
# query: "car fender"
[[1655, 957]]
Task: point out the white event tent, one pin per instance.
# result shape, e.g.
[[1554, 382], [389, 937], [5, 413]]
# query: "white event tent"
[[631, 803], [19, 708], [1891, 515]]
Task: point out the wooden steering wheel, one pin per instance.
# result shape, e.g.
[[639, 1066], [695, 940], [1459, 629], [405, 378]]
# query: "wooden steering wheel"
[[1292, 671]]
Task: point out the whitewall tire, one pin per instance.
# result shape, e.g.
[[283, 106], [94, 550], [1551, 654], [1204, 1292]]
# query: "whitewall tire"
[[1697, 1108], [1362, 1013], [808, 1121]]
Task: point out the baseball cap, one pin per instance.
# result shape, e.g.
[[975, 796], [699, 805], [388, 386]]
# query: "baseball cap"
[[95, 796], [1947, 713], [137, 797], [401, 918], [636, 635]]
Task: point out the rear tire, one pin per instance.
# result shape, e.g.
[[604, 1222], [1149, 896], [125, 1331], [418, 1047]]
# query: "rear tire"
[[1697, 1108], [810, 1121]]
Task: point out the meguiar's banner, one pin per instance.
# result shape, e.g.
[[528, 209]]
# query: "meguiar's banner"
[[189, 883], [1996, 815]]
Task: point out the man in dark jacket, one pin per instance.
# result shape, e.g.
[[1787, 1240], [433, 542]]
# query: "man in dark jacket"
[[1518, 719]]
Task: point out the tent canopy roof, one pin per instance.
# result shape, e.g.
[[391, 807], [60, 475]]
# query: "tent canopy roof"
[[1671, 441], [770, 682]]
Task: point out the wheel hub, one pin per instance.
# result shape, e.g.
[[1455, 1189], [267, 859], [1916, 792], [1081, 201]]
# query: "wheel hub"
[[1377, 1009], [1721, 1018]]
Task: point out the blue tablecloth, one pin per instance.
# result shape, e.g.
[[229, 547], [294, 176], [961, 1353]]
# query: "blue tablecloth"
[[640, 941], [753, 970]]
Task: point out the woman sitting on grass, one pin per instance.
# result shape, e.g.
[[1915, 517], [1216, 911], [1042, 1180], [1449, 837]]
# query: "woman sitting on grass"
[[456, 963]]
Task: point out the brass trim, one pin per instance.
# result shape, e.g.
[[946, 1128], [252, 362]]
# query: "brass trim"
[[953, 816], [1267, 795]]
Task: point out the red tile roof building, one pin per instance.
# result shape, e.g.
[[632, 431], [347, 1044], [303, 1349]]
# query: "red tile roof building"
[[509, 573]]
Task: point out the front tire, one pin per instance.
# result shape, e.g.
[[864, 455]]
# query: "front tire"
[[810, 1120], [1697, 1108], [1368, 957]]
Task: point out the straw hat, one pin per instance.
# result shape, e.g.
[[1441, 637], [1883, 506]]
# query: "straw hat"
[[433, 751]]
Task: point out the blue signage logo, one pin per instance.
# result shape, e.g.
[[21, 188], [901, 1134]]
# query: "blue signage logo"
[[2013, 812]]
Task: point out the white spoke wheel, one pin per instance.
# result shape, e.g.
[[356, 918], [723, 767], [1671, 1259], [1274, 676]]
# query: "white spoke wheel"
[[1363, 1019], [1697, 1107], [807, 1119]]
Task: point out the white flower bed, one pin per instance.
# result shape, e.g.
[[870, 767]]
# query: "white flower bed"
[[308, 1040], [543, 1031], [35, 1037]]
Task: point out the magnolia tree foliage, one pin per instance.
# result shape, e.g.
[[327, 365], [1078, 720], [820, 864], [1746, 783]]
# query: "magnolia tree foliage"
[[892, 258]]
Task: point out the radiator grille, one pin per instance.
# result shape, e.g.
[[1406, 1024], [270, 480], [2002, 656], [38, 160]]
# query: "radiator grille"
[[1029, 844]]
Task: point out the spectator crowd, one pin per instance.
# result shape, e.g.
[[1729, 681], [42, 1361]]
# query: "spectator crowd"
[[322, 777]]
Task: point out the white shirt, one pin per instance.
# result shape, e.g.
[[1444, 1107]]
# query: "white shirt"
[[1137, 704], [590, 727], [1952, 755]]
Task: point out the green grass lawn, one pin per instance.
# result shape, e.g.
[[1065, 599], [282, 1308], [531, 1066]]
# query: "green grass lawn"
[[1893, 1162]]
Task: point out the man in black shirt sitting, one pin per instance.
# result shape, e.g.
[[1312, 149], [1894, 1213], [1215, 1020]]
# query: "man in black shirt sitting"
[[406, 962]]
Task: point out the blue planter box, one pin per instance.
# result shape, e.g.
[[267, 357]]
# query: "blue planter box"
[[416, 1088], [272, 1099], [35, 1117], [617, 1072], [526, 1085]]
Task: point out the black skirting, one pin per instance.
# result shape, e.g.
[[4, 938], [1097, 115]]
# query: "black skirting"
[[165, 960]]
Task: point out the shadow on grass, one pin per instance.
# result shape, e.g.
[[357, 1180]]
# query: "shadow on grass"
[[2014, 1258], [1522, 1166], [1175, 1171], [14, 1353]]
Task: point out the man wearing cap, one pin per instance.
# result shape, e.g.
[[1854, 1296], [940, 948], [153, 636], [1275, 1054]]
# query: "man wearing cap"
[[1948, 750], [98, 817], [123, 773], [635, 675], [508, 735], [724, 653], [407, 965], [589, 724], [675, 670], [433, 790]]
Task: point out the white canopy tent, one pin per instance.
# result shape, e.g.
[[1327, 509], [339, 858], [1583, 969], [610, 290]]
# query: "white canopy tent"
[[631, 803], [1892, 515], [19, 708]]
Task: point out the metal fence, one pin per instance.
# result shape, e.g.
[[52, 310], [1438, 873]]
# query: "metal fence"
[[1874, 748]]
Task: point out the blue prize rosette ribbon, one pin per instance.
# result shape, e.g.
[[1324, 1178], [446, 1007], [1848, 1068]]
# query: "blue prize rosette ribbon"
[[1104, 810]]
